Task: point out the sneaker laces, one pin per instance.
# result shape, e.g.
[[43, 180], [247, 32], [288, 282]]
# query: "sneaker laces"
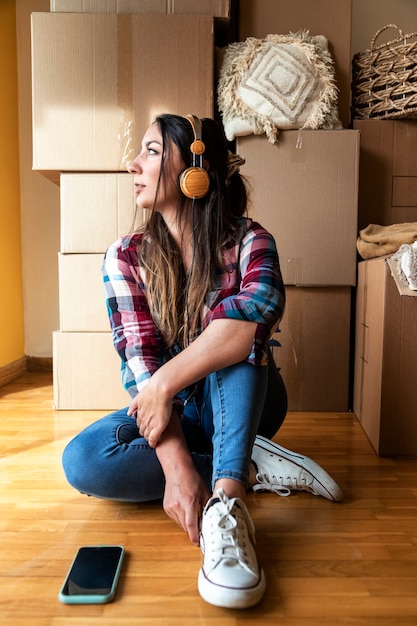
[[282, 485], [229, 534]]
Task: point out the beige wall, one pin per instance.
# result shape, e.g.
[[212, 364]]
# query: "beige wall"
[[40, 198]]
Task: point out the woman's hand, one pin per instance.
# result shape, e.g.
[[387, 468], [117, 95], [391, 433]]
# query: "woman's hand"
[[185, 496], [152, 410], [185, 491]]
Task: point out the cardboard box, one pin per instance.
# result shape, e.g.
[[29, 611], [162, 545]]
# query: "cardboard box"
[[82, 304], [314, 355], [217, 8], [96, 209], [258, 18], [86, 372], [307, 198], [388, 172], [98, 81], [110, 6], [385, 363]]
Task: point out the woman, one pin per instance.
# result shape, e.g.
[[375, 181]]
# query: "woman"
[[193, 299]]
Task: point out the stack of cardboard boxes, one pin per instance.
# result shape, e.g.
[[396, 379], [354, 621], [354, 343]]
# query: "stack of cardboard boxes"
[[101, 71], [98, 81], [384, 398], [307, 197]]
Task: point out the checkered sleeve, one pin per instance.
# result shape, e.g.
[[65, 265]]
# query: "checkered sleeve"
[[261, 294], [135, 335]]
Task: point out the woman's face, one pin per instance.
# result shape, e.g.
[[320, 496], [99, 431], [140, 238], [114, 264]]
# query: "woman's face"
[[146, 168]]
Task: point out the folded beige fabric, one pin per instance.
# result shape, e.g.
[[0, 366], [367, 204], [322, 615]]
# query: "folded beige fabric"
[[376, 240]]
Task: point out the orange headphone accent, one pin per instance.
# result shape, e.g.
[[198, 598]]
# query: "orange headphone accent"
[[194, 181]]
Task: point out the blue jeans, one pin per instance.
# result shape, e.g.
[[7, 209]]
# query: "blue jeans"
[[109, 459]]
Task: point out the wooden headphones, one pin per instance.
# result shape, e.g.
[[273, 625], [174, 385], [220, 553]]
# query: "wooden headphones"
[[194, 181]]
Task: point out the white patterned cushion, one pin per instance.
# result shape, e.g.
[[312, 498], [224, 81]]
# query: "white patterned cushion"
[[280, 82]]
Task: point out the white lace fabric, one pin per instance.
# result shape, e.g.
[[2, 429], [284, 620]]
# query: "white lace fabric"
[[282, 485]]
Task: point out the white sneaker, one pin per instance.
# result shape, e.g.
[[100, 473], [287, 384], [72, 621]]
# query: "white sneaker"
[[230, 575], [283, 471]]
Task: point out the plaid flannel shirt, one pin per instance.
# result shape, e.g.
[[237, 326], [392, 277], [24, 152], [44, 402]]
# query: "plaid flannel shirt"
[[248, 287]]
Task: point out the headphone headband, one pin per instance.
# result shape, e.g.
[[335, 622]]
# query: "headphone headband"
[[197, 147]]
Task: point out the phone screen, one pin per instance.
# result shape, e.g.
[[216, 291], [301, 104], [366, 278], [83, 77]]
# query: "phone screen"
[[94, 572]]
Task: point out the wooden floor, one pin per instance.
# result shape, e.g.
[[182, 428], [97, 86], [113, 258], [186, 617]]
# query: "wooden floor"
[[352, 563]]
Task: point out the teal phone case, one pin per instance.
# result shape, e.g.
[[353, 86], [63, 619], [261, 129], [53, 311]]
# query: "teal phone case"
[[94, 598]]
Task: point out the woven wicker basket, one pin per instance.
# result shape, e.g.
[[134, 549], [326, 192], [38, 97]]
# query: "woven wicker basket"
[[384, 79]]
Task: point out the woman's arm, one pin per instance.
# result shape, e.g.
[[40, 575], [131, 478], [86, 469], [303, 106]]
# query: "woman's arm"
[[137, 341], [185, 492], [224, 342]]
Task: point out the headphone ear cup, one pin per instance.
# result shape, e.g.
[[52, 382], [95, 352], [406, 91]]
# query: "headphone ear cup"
[[194, 182]]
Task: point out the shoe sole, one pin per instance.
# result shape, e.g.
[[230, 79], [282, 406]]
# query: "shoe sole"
[[230, 597], [326, 481]]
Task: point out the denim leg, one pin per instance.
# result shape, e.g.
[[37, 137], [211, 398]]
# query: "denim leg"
[[237, 397], [109, 459]]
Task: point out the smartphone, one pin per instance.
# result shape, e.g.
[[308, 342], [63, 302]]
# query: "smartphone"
[[93, 575]]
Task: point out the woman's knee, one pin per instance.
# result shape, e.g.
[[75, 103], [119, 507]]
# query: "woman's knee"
[[86, 458]]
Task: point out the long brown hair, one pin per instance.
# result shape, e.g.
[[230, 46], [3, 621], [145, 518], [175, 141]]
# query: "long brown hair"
[[177, 297]]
